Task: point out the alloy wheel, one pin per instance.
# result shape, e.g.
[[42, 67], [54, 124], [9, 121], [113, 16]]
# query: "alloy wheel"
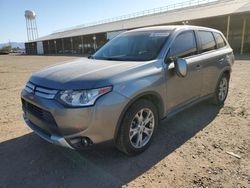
[[141, 128], [223, 89]]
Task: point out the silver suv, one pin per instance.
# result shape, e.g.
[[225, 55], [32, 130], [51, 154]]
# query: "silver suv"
[[122, 91]]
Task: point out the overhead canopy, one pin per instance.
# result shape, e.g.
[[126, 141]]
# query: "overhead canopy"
[[213, 9]]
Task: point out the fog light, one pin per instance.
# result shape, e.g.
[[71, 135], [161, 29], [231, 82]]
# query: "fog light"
[[86, 141], [80, 142]]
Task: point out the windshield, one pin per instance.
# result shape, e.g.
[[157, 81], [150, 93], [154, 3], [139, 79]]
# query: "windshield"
[[133, 46]]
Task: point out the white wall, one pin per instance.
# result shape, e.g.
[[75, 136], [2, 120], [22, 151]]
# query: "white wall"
[[39, 47]]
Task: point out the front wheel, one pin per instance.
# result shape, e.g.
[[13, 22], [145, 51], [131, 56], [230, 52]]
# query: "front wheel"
[[137, 128], [221, 90]]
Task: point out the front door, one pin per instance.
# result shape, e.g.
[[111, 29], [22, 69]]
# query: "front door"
[[183, 90]]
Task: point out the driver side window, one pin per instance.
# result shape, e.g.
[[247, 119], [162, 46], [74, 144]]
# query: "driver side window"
[[184, 45]]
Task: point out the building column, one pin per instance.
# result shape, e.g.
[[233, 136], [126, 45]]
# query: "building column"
[[71, 40], [82, 45], [228, 25], [95, 46], [48, 48], [55, 46], [62, 46], [243, 35], [33, 48]]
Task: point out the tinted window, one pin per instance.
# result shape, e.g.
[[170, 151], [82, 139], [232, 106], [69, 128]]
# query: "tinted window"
[[133, 46], [219, 40], [207, 41], [184, 45]]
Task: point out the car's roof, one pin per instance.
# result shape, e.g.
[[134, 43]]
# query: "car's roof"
[[172, 27]]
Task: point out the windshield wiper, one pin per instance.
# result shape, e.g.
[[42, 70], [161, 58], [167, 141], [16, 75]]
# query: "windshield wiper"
[[109, 58], [91, 57], [112, 59]]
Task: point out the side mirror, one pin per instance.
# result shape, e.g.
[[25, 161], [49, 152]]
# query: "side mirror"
[[180, 67]]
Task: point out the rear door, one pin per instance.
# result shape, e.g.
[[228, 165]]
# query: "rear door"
[[212, 57], [183, 90]]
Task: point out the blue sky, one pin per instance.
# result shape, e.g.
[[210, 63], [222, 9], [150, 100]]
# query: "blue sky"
[[54, 15]]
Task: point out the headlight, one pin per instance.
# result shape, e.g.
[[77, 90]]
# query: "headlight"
[[78, 98]]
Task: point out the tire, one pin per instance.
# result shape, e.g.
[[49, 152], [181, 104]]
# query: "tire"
[[135, 133], [221, 92]]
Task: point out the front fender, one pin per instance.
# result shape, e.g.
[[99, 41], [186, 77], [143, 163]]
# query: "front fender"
[[153, 86]]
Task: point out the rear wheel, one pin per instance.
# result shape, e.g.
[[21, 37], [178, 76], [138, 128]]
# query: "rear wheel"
[[221, 90], [137, 128]]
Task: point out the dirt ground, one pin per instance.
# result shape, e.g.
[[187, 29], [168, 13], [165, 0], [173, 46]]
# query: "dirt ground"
[[189, 150]]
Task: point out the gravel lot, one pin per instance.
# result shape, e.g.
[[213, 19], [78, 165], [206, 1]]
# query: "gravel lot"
[[189, 150]]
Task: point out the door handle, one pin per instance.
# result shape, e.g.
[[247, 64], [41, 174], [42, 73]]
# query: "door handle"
[[221, 60], [198, 67]]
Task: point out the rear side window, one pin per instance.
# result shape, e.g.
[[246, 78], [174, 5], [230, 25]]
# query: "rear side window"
[[219, 40], [207, 41], [184, 45]]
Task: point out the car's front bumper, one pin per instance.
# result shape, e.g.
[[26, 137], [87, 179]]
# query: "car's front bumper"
[[54, 139], [60, 125]]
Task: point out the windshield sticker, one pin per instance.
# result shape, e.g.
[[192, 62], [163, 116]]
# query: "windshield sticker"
[[159, 34]]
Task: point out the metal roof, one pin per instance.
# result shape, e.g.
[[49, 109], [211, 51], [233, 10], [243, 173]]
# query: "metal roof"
[[198, 11]]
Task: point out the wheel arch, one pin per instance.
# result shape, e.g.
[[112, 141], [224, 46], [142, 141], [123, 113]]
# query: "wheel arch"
[[227, 71], [152, 96]]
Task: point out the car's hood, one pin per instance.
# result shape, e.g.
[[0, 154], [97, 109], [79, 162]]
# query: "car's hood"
[[81, 74]]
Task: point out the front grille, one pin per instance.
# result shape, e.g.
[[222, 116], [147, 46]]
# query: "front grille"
[[40, 91], [38, 112]]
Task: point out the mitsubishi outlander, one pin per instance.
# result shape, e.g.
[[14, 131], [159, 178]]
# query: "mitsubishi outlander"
[[126, 87]]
